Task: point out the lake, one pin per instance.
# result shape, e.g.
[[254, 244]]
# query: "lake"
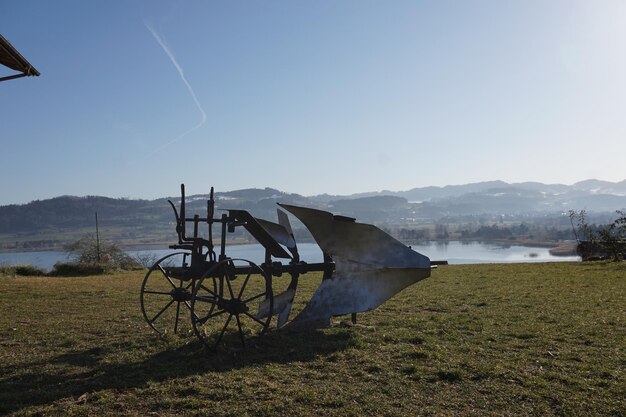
[[453, 252]]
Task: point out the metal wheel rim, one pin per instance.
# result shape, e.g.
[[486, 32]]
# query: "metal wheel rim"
[[219, 312], [168, 300]]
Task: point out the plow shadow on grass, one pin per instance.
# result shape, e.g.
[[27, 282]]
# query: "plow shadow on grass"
[[79, 374]]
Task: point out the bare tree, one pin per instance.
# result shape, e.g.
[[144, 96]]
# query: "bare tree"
[[88, 251], [607, 240]]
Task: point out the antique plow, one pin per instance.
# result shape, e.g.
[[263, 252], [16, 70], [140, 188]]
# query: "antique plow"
[[234, 298]]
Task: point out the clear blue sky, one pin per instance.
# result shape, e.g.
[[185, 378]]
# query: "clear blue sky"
[[311, 97]]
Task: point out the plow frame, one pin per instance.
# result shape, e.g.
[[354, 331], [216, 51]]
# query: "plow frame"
[[201, 264], [362, 267]]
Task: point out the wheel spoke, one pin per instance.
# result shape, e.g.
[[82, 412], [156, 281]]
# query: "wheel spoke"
[[243, 286], [210, 316], [254, 318], [167, 276], [177, 315], [157, 292], [223, 330], [243, 343], [207, 290], [189, 307], [230, 288], [230, 270], [206, 299], [254, 298], [161, 312]]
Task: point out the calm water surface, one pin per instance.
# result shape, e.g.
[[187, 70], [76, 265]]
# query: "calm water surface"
[[453, 252]]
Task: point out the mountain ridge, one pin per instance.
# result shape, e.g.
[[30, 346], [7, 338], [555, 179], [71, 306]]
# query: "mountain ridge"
[[430, 192], [591, 185], [142, 221]]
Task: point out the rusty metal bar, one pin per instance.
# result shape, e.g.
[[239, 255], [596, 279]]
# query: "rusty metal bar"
[[11, 77]]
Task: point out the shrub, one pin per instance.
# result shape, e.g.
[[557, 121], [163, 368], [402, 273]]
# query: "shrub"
[[146, 260], [107, 256], [73, 269], [28, 271], [21, 270]]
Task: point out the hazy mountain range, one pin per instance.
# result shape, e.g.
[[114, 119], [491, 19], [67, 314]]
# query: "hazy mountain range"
[[152, 220], [587, 187]]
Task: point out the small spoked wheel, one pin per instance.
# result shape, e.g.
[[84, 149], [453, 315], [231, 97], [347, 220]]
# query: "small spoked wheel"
[[232, 303], [166, 295]]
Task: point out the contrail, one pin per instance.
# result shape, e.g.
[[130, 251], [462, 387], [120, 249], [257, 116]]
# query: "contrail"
[[182, 77]]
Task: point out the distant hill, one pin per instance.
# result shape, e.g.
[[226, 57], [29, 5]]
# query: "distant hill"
[[54, 221], [72, 212], [588, 187]]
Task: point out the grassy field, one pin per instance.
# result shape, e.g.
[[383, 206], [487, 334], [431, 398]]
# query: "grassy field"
[[521, 339]]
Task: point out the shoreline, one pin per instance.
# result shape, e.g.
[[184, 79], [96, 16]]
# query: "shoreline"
[[562, 248]]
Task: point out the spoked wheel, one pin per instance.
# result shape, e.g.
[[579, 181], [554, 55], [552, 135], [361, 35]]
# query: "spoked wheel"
[[231, 303], [166, 295]]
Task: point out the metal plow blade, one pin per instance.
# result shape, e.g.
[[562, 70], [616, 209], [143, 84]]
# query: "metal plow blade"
[[370, 267], [280, 233], [282, 302]]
